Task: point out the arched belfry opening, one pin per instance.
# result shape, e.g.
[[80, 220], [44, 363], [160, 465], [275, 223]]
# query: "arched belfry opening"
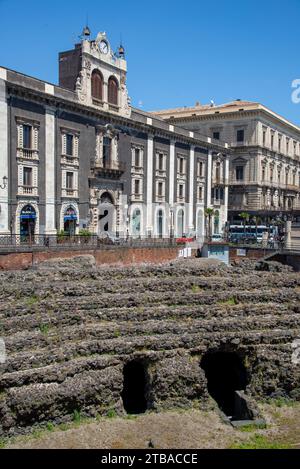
[[226, 375], [135, 387]]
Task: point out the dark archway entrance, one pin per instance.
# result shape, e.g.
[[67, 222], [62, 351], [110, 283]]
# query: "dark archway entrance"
[[226, 375], [134, 388], [70, 220], [27, 223]]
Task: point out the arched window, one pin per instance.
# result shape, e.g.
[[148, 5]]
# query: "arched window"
[[113, 91], [27, 223], [97, 85]]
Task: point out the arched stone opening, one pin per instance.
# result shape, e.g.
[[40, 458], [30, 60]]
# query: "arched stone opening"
[[134, 394], [226, 375]]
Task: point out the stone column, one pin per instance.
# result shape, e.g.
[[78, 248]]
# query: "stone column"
[[4, 167], [226, 190], [50, 228], [288, 235], [209, 176], [191, 188], [172, 173], [150, 156]]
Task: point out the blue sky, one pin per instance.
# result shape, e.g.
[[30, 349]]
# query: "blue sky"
[[178, 52]]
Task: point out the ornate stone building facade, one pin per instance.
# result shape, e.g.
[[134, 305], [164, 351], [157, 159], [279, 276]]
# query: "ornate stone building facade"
[[79, 156], [264, 174]]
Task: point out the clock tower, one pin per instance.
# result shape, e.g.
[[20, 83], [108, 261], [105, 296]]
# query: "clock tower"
[[96, 74]]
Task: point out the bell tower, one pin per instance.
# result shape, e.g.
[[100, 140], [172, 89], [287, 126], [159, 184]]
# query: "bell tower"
[[96, 74]]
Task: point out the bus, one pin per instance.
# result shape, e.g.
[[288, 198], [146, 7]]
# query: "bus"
[[251, 233]]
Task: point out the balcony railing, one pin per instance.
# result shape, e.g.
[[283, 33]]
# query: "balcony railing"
[[69, 192], [27, 190], [27, 153], [107, 168], [69, 160]]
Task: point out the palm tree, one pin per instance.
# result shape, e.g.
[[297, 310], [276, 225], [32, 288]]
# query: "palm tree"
[[209, 213], [245, 217], [257, 221]]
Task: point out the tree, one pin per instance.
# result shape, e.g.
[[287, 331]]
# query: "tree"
[[209, 213], [245, 217], [257, 221]]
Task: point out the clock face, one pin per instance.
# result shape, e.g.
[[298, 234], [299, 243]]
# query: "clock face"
[[103, 46]]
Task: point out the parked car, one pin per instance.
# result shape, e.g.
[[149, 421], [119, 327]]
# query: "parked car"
[[217, 238]]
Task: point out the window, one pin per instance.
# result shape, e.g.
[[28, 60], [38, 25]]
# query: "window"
[[200, 168], [200, 193], [287, 145], [137, 158], [181, 191], [264, 137], [181, 165], [69, 180], [279, 175], [27, 177], [106, 152], [272, 140], [287, 177], [136, 187], [218, 171], [271, 174], [279, 142], [97, 85], [27, 136], [113, 91], [263, 173], [161, 161], [216, 135], [160, 189], [239, 173], [295, 148], [240, 135], [69, 144]]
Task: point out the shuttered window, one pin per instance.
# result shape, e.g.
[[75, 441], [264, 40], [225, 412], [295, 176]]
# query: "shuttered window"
[[113, 91], [97, 85]]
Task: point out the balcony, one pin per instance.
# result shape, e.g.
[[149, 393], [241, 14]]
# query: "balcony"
[[27, 154], [108, 169], [97, 102], [137, 197], [73, 193], [70, 160], [219, 181], [28, 190], [113, 107]]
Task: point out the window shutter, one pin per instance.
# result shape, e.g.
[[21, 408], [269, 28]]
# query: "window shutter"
[[20, 136], [35, 138]]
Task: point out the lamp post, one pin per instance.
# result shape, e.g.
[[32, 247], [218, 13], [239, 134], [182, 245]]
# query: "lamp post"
[[5, 182]]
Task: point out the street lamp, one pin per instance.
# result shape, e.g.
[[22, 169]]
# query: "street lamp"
[[5, 182]]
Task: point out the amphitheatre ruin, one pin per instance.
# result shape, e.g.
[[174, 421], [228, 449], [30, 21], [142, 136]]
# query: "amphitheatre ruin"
[[184, 334]]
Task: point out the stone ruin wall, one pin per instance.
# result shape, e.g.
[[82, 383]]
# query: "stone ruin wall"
[[70, 327]]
